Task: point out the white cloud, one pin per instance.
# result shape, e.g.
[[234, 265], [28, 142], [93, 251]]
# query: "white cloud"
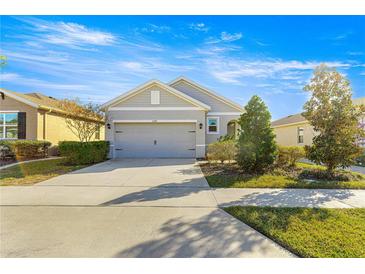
[[231, 70], [230, 37], [134, 66], [36, 83], [7, 77], [69, 34], [156, 28], [355, 53], [339, 37], [224, 37], [150, 65], [199, 27]]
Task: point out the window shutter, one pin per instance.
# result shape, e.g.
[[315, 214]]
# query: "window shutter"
[[22, 125]]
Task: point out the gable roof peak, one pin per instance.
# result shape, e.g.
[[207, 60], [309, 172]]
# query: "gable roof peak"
[[168, 88], [207, 91]]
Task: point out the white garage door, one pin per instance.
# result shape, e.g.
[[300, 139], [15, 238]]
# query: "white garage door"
[[155, 140]]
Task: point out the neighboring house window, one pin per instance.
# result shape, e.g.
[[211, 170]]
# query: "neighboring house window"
[[8, 125], [155, 97], [300, 135], [97, 132], [213, 125]]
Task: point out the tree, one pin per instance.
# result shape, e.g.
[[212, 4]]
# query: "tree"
[[83, 120], [334, 117], [3, 59], [256, 144]]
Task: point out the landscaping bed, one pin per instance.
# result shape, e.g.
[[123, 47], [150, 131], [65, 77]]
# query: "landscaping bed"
[[35, 172], [309, 232], [302, 176]]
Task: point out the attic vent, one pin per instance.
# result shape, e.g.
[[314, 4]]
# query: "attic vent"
[[155, 97]]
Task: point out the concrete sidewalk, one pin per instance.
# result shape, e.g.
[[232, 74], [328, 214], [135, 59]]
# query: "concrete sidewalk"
[[330, 198], [128, 208]]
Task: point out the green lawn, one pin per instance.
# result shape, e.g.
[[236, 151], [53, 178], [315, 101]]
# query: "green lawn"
[[35, 172], [225, 176], [309, 232]]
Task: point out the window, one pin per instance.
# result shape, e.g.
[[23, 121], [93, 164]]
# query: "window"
[[8, 125], [155, 97], [213, 125], [300, 135], [97, 132]]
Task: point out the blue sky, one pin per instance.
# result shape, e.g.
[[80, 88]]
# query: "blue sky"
[[96, 58]]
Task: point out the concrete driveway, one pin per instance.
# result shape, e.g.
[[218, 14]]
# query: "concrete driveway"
[[126, 208]]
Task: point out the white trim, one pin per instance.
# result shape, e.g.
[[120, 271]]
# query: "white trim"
[[18, 98], [11, 111], [141, 88], [224, 113], [154, 121], [201, 145], [154, 108], [206, 91], [218, 123]]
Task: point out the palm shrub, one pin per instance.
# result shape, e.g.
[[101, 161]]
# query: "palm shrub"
[[256, 144]]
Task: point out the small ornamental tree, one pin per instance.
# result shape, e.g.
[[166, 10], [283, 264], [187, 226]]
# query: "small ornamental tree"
[[256, 144], [3, 59], [83, 120], [334, 117]]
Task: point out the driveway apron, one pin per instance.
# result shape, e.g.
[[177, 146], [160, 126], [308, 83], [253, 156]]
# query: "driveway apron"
[[125, 208]]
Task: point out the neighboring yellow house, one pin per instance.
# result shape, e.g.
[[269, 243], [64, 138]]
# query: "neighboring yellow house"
[[295, 130], [35, 116]]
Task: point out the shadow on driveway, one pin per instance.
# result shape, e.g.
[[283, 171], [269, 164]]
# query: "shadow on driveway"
[[216, 234]]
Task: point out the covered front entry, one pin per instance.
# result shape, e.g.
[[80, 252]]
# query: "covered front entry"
[[155, 140]]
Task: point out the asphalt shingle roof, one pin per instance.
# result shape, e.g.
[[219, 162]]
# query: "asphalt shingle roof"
[[295, 118]]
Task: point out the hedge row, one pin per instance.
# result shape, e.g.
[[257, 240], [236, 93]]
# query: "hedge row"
[[24, 149], [226, 149], [84, 152]]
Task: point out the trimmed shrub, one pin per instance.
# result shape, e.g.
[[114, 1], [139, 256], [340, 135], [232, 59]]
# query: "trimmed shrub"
[[24, 149], [84, 152], [222, 151], [338, 175], [289, 155]]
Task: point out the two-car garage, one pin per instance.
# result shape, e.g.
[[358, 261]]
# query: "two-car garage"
[[155, 139]]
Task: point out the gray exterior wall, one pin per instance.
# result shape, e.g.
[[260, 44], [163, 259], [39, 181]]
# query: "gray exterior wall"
[[215, 104], [143, 99], [223, 121], [198, 115]]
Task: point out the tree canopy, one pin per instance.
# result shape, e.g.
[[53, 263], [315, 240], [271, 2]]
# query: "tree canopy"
[[335, 119]]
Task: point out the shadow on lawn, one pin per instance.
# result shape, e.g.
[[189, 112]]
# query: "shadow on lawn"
[[277, 218]]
